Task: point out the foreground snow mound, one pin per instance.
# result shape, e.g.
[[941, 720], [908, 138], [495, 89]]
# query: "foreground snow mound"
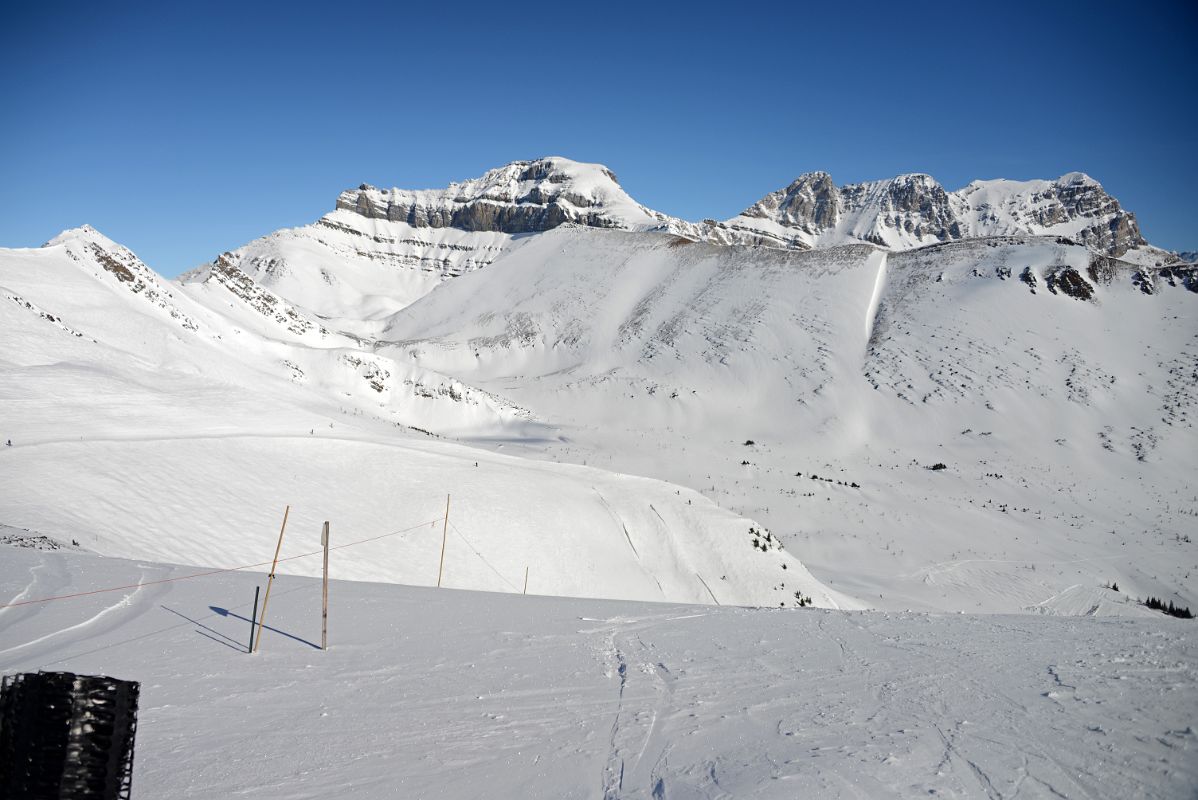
[[444, 694], [1092, 601]]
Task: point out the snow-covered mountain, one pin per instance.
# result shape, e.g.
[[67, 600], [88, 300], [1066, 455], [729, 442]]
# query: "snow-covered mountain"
[[884, 397], [180, 419], [381, 249], [914, 210], [1035, 370], [805, 387], [521, 197]]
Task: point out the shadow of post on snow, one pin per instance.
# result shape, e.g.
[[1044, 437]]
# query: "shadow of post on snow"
[[224, 612]]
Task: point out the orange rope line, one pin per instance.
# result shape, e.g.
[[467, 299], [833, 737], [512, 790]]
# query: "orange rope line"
[[213, 571]]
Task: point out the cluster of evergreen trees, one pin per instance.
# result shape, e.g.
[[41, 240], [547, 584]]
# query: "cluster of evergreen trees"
[[1170, 609]]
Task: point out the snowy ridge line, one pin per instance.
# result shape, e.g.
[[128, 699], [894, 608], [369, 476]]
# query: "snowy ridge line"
[[219, 571]]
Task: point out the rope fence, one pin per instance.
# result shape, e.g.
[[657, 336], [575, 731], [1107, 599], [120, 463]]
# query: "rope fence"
[[210, 572]]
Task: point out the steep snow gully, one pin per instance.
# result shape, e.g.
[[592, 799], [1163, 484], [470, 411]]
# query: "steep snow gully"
[[879, 261]]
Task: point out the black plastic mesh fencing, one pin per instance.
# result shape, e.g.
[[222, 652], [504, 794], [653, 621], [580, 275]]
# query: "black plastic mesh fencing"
[[66, 736]]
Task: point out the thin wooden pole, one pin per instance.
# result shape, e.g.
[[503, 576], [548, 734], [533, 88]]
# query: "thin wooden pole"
[[526, 580], [324, 605], [444, 536], [270, 581]]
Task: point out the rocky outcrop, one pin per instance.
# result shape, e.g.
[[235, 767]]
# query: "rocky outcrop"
[[810, 204], [915, 205], [914, 211], [86, 245], [1151, 280], [522, 197], [1107, 229], [224, 272], [1068, 281]]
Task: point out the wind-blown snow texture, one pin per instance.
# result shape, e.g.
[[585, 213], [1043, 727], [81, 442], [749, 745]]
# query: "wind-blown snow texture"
[[427, 693]]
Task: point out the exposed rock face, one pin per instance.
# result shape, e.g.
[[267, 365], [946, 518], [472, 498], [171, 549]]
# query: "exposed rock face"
[[1028, 276], [899, 214], [1151, 281], [86, 245], [915, 205], [225, 272], [914, 211], [1106, 227], [1069, 281], [811, 204], [522, 197], [1102, 269]]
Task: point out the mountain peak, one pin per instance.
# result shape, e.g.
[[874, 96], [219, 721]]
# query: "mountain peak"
[[520, 197], [1077, 178], [83, 232], [913, 210]]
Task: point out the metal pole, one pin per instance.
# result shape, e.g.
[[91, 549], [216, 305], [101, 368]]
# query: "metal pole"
[[444, 535], [324, 611], [253, 620]]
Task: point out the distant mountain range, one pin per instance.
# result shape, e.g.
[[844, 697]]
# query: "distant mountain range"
[[804, 365], [379, 250]]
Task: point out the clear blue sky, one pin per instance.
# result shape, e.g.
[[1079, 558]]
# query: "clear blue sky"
[[186, 129]]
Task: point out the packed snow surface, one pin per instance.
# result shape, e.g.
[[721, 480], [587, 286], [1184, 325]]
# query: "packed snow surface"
[[440, 693]]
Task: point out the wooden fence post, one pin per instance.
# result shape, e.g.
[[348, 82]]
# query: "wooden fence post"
[[270, 581], [444, 535]]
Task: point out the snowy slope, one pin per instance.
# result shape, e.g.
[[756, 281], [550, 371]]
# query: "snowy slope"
[[443, 694], [1066, 423], [179, 433]]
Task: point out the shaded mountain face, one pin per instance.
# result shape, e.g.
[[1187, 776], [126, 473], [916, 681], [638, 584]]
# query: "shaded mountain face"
[[914, 210]]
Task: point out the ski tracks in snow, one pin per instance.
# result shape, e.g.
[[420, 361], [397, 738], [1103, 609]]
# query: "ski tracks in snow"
[[638, 751], [106, 619]]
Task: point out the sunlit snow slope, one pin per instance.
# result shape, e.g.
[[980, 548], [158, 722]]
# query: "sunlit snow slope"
[[147, 422], [971, 400], [1056, 386]]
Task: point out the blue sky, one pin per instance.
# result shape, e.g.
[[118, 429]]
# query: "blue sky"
[[182, 130]]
